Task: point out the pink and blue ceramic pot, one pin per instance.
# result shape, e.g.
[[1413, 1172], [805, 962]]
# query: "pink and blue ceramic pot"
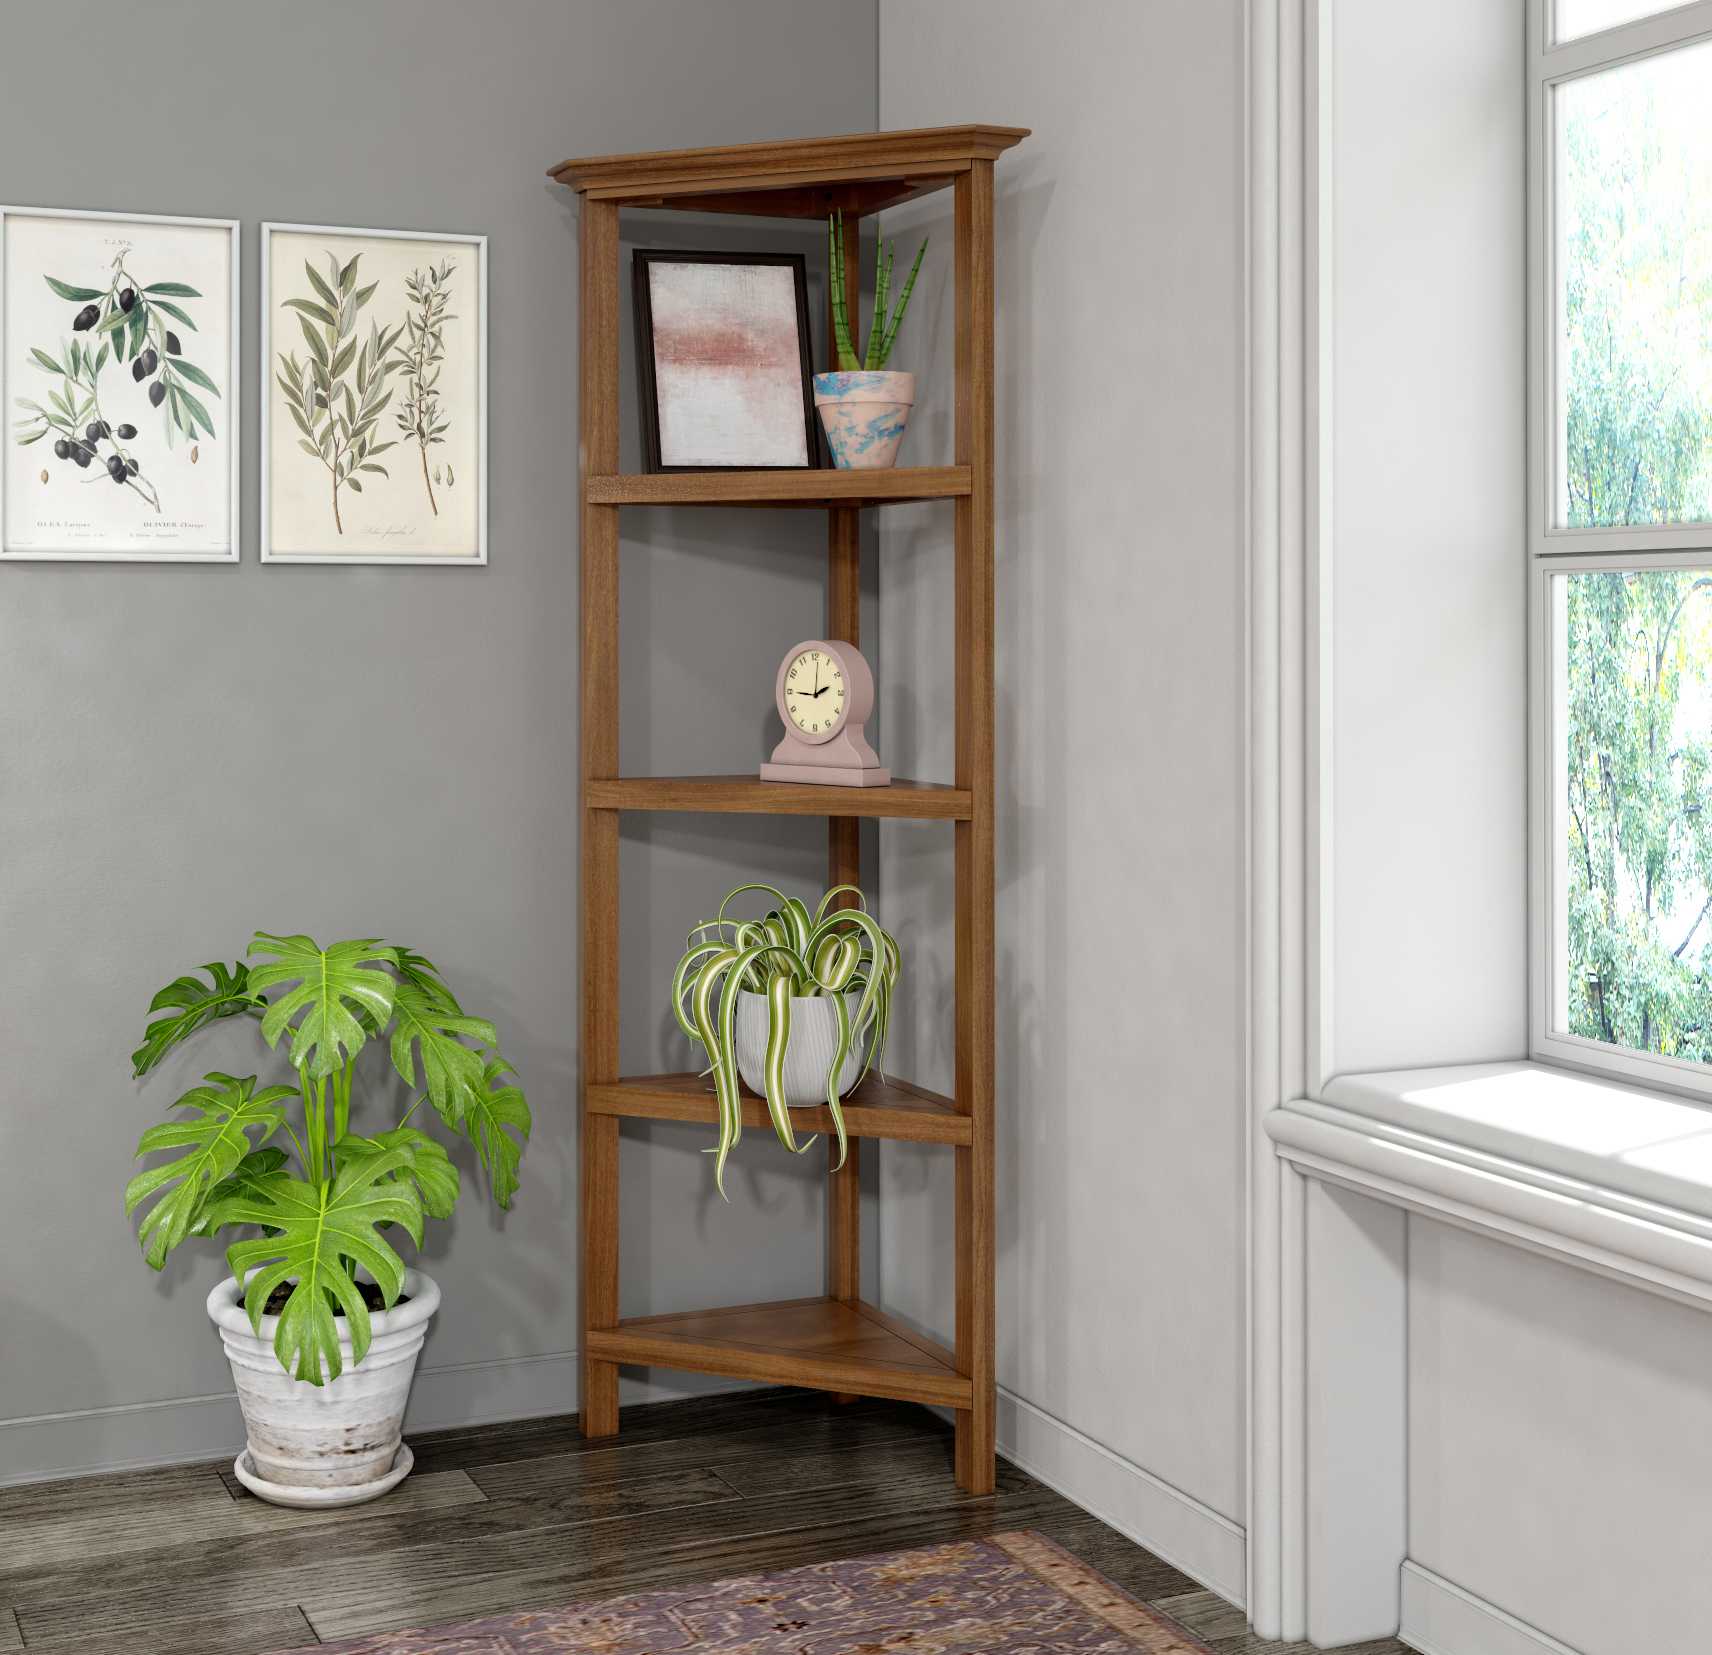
[[864, 412]]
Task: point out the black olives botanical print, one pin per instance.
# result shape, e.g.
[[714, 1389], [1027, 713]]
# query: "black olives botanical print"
[[336, 396], [127, 322], [420, 359]]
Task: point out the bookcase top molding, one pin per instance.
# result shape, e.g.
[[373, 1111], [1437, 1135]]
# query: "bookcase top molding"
[[858, 172]]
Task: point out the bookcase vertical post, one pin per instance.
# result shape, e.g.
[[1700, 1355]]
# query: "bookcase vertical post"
[[973, 621], [598, 344], [843, 833]]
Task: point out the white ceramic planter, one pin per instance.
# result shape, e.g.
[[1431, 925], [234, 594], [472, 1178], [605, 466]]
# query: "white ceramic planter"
[[814, 1041], [334, 1443], [864, 412]]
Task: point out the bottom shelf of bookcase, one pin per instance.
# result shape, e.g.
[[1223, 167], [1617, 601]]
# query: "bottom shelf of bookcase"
[[827, 1344]]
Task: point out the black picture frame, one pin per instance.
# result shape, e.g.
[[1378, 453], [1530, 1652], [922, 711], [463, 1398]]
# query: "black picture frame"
[[648, 397]]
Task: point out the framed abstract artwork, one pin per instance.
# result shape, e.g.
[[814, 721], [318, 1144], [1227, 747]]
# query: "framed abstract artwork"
[[722, 350], [119, 363], [374, 396]]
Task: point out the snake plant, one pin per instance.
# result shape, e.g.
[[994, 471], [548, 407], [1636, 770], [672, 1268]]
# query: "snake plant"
[[317, 1225], [883, 330], [787, 953]]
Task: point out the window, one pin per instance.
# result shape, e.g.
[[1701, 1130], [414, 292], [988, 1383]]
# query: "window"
[[1621, 536], [1634, 292], [1581, 17]]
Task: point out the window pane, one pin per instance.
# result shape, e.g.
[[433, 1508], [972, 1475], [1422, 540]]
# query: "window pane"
[[1634, 781], [1634, 213], [1578, 17]]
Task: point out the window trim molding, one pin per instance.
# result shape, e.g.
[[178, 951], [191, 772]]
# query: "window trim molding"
[[1554, 551], [1595, 1225]]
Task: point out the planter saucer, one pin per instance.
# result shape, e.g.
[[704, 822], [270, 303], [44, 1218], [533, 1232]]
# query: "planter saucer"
[[323, 1499]]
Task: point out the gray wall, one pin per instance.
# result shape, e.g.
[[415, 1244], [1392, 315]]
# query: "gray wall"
[[1120, 862], [159, 795]]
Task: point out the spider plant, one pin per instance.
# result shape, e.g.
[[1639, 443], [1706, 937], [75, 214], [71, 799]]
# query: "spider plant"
[[787, 953], [883, 330], [306, 1232]]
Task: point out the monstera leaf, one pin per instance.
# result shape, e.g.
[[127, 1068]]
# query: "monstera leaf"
[[257, 1165], [414, 968], [430, 1022], [495, 1109], [192, 1005], [227, 1119], [316, 1230], [427, 1164], [334, 985]]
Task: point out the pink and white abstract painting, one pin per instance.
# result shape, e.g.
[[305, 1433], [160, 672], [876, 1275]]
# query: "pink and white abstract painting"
[[728, 364]]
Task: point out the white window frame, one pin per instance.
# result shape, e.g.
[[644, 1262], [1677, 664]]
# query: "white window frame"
[[1555, 551]]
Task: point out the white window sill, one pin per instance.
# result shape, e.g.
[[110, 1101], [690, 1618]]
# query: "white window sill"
[[1610, 1177]]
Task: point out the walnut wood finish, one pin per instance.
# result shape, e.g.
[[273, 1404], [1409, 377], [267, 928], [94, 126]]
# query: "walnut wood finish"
[[779, 488], [823, 1343], [844, 846], [837, 1343], [598, 347], [791, 177], [748, 795], [973, 233], [876, 1109]]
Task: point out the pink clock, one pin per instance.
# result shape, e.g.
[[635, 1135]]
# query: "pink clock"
[[825, 695]]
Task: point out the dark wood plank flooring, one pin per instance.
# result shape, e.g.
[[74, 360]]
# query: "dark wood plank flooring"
[[183, 1561]]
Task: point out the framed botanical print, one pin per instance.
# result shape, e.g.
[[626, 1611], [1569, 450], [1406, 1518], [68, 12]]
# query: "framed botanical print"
[[374, 396], [119, 363], [722, 349]]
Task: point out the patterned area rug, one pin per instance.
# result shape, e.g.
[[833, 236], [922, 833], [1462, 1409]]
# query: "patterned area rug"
[[1013, 1592]]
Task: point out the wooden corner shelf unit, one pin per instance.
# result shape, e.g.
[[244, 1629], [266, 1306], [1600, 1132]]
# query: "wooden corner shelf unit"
[[838, 1341]]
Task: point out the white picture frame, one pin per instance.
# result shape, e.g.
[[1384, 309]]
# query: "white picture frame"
[[34, 524], [291, 529]]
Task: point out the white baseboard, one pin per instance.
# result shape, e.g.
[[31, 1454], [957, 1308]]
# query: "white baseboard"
[[1440, 1618], [1144, 1508], [132, 1436]]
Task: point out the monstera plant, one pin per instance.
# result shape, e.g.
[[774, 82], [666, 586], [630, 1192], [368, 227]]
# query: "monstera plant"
[[313, 1230]]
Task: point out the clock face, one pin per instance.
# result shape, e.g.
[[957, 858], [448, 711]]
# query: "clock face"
[[815, 693]]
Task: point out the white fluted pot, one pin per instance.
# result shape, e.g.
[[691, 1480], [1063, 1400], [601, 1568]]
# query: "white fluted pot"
[[344, 1434], [808, 1057]]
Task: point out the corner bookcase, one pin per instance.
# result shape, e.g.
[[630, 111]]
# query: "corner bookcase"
[[837, 1342]]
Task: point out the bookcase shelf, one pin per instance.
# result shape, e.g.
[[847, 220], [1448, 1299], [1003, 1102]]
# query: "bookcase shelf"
[[828, 1343], [812, 488], [838, 1342], [750, 796], [878, 1108]]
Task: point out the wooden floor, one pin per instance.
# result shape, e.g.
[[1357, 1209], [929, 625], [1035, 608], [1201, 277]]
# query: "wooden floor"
[[184, 1562]]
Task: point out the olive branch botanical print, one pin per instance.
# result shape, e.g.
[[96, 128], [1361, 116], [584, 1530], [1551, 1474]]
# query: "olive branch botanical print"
[[337, 424], [420, 359], [130, 320]]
